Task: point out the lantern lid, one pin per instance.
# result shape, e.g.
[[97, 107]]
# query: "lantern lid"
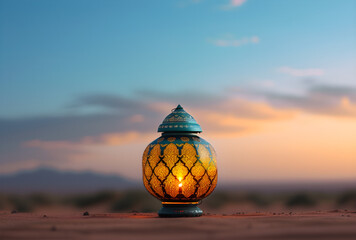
[[179, 121]]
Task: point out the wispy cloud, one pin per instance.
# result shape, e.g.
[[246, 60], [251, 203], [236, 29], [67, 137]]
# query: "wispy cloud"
[[233, 4], [229, 4], [305, 72], [51, 139], [74, 138], [321, 99], [232, 42]]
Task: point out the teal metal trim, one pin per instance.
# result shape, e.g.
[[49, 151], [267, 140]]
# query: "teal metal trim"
[[180, 210], [179, 121]]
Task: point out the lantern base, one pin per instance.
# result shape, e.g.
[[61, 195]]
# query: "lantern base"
[[180, 210]]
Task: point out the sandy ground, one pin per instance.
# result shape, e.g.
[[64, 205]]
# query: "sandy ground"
[[338, 224]]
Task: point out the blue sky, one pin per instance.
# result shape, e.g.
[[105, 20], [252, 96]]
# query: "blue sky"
[[53, 51], [82, 80]]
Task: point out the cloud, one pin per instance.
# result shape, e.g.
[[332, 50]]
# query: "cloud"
[[231, 42], [237, 3], [108, 139], [308, 72], [236, 117], [112, 102], [56, 139], [73, 137], [233, 4], [230, 4], [187, 98], [324, 99]]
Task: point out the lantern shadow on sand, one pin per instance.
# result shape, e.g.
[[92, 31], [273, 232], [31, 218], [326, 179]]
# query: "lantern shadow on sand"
[[179, 168]]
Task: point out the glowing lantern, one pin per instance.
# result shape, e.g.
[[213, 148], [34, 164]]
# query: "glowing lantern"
[[179, 168]]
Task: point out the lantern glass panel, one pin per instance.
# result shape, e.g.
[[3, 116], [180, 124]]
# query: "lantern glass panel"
[[179, 168]]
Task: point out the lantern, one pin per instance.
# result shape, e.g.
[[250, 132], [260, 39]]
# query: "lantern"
[[179, 168]]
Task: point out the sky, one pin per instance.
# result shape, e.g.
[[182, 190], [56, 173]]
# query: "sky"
[[84, 84]]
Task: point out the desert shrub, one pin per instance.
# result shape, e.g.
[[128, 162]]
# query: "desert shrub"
[[88, 200], [347, 198], [41, 199], [300, 200], [139, 201], [218, 199], [2, 201], [21, 203], [258, 199]]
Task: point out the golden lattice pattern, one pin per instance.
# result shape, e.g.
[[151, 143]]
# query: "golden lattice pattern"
[[179, 168]]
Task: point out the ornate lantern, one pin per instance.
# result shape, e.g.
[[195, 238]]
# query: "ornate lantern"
[[179, 168]]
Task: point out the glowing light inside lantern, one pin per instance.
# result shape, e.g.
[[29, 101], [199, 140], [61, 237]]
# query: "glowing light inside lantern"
[[180, 184]]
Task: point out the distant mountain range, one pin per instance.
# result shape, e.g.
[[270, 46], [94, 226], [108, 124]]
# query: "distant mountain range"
[[55, 181]]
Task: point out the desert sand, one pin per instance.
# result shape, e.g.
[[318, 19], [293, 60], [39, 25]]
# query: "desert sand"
[[337, 224]]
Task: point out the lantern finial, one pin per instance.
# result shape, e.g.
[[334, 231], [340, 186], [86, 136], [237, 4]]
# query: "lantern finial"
[[179, 107]]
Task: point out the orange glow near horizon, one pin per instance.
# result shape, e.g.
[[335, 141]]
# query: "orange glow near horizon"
[[308, 147], [304, 147]]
